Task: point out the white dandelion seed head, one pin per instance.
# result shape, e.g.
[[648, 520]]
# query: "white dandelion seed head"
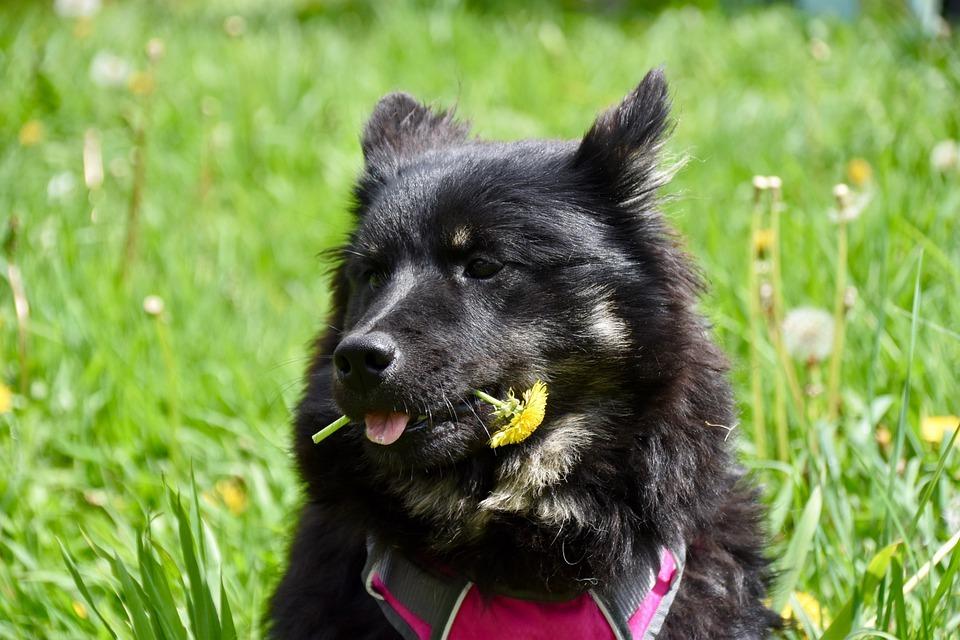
[[849, 298], [155, 49], [61, 186], [849, 204], [153, 305], [808, 334], [235, 26], [820, 50], [945, 156], [76, 8], [110, 70], [841, 192]]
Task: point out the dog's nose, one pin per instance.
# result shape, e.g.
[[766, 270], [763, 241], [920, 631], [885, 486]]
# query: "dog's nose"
[[362, 360]]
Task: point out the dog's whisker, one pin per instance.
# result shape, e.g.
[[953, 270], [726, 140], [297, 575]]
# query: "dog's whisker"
[[475, 414]]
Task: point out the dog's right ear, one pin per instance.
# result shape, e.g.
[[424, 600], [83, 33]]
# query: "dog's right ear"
[[620, 152], [400, 126]]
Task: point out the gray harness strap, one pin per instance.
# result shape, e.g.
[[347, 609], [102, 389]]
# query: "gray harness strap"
[[433, 599], [436, 599], [620, 599]]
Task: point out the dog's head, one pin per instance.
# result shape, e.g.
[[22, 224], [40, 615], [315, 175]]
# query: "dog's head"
[[488, 265]]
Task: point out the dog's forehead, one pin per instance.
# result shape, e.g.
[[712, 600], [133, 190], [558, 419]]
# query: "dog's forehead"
[[447, 197]]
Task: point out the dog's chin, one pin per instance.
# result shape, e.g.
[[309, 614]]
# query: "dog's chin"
[[427, 444]]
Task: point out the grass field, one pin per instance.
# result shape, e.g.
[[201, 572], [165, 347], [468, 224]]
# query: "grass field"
[[228, 151]]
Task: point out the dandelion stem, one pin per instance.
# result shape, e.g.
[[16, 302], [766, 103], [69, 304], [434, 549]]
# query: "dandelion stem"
[[486, 397], [331, 428], [776, 316], [754, 310], [173, 393], [780, 411], [136, 199], [839, 322]]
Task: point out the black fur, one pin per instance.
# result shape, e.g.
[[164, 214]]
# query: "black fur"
[[595, 297]]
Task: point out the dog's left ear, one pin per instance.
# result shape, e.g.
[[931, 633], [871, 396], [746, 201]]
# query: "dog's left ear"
[[620, 150], [400, 126]]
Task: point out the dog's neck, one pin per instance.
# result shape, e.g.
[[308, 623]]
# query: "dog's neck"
[[542, 501], [525, 479]]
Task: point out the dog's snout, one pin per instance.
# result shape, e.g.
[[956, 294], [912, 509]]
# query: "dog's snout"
[[362, 360]]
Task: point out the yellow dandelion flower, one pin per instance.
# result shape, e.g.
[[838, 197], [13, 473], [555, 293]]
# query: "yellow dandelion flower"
[[6, 398], [812, 609], [233, 493], [763, 240], [936, 429], [522, 416], [883, 436], [859, 172], [141, 83], [31, 133], [82, 28]]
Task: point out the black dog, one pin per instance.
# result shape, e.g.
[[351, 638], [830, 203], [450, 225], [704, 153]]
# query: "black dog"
[[489, 265]]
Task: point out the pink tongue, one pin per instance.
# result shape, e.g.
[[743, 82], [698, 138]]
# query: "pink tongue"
[[385, 428]]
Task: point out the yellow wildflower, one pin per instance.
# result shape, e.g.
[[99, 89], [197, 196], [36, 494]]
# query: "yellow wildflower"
[[883, 436], [6, 398], [763, 240], [31, 133], [859, 172], [937, 428], [812, 609], [82, 28], [233, 493], [141, 83], [522, 416]]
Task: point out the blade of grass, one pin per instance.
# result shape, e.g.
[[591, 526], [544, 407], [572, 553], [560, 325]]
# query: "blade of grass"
[[932, 484], [227, 628], [897, 598], [946, 581], [204, 619], [904, 400], [864, 595], [134, 601], [82, 587], [796, 554], [201, 545], [780, 506], [158, 592]]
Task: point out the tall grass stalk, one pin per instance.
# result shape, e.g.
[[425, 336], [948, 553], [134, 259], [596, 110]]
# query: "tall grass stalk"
[[842, 195], [754, 313], [21, 306], [786, 372], [776, 324], [135, 204], [900, 435]]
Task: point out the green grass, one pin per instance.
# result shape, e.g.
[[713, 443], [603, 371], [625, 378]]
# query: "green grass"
[[251, 144]]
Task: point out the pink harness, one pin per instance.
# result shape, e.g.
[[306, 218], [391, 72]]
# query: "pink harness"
[[424, 606]]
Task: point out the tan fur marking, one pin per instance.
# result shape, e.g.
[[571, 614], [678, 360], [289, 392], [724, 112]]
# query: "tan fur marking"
[[609, 327], [460, 238], [526, 478], [559, 509]]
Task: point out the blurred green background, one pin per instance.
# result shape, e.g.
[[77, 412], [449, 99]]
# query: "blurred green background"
[[170, 171]]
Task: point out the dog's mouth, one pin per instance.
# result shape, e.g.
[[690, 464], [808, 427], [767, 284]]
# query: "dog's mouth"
[[386, 427]]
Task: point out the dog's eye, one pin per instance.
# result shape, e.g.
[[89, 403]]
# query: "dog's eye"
[[482, 268], [373, 278]]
